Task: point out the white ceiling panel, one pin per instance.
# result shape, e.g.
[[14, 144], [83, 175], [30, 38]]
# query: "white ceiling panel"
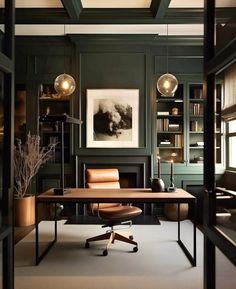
[[160, 29], [36, 3], [186, 4], [225, 3], [116, 4]]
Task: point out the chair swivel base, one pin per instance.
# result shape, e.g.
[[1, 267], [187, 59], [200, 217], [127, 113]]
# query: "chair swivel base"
[[112, 236]]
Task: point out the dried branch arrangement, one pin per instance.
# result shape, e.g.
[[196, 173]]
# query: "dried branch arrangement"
[[28, 158]]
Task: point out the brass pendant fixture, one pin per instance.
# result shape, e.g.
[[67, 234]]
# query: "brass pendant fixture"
[[167, 83], [64, 84]]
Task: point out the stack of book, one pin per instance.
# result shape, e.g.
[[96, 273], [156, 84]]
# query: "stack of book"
[[174, 127], [163, 113], [165, 143]]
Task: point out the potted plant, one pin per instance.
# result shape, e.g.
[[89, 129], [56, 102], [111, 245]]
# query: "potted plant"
[[28, 158]]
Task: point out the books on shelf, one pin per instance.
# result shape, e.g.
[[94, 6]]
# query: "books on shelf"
[[197, 93], [163, 113], [162, 124], [173, 127], [165, 143], [196, 109], [200, 143], [178, 140], [197, 144]]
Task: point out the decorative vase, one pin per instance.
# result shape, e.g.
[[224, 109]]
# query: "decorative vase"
[[24, 209], [157, 185]]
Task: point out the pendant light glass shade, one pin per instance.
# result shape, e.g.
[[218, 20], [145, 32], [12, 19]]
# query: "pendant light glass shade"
[[167, 84], [64, 84]]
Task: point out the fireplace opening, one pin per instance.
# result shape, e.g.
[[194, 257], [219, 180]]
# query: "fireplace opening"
[[128, 180]]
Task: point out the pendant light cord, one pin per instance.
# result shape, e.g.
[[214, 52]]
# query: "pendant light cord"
[[167, 48], [64, 49]]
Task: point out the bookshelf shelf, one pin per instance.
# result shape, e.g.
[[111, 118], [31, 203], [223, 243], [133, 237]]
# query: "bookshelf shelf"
[[170, 126]]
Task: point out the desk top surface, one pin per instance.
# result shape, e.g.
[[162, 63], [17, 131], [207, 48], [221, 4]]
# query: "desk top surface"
[[115, 195]]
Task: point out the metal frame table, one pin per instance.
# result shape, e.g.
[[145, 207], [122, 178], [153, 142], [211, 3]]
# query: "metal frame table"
[[77, 195]]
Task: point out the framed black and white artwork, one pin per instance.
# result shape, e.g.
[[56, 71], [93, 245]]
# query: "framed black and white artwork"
[[112, 118]]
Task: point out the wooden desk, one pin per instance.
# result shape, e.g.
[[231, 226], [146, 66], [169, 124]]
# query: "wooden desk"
[[76, 195]]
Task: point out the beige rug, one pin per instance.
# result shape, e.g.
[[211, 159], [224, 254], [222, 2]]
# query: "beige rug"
[[159, 263]]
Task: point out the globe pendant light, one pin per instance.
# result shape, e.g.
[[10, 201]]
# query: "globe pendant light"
[[167, 83], [64, 84]]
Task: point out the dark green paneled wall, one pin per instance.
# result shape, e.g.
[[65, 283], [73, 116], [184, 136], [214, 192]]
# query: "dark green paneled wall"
[[107, 61], [119, 70]]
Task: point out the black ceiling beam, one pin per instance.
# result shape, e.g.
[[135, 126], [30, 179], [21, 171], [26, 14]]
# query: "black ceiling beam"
[[73, 8], [159, 8], [116, 16], [107, 16]]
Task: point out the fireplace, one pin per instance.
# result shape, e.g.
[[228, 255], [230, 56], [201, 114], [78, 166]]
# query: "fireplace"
[[134, 172]]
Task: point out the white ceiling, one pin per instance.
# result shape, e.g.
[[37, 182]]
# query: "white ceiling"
[[116, 4], [196, 29], [106, 3], [36, 3], [161, 29]]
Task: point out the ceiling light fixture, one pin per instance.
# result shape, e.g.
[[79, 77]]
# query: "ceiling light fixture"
[[64, 84], [167, 83]]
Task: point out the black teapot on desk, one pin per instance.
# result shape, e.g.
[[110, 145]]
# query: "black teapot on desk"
[[157, 185]]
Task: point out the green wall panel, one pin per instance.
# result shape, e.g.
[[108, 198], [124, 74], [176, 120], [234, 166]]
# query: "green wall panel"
[[180, 65], [115, 70]]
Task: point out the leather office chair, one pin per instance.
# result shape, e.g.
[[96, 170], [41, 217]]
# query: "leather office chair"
[[112, 213]]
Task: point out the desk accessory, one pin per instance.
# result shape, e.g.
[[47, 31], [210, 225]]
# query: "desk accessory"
[[171, 188], [157, 184]]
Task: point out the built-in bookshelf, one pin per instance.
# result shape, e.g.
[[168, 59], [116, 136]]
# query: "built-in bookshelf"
[[196, 129], [170, 126], [50, 103]]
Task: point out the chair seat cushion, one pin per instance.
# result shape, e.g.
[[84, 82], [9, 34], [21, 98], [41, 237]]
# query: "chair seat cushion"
[[120, 213], [93, 208]]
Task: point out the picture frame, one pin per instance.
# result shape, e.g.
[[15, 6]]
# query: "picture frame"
[[112, 118]]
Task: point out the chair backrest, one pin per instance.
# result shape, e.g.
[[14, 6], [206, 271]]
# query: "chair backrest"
[[102, 178]]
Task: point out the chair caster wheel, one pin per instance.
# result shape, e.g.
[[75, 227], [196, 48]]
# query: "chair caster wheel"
[[135, 249], [105, 253], [131, 237], [87, 245]]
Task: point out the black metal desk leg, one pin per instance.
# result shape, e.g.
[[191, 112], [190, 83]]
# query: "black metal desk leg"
[[39, 257], [178, 222], [191, 258], [195, 233]]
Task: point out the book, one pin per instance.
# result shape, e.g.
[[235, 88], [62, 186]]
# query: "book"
[[178, 140], [165, 142], [163, 113], [173, 127]]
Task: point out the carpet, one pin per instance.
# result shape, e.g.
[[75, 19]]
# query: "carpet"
[[159, 263]]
